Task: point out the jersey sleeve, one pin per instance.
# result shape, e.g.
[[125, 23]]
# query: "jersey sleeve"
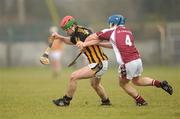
[[73, 39], [104, 34]]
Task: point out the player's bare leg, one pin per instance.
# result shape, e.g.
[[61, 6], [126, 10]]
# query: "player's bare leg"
[[125, 84], [95, 83], [82, 73], [147, 81]]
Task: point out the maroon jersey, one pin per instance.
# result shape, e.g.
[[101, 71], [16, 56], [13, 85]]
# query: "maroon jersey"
[[122, 41]]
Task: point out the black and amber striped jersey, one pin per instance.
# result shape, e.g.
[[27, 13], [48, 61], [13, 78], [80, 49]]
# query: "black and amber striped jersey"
[[93, 53]]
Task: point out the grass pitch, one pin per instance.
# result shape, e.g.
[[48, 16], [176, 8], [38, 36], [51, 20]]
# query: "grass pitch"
[[27, 93]]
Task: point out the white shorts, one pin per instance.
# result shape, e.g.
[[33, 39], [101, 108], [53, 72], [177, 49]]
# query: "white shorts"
[[131, 69], [55, 55], [99, 68]]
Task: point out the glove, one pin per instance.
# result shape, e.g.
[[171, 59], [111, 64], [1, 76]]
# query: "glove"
[[44, 59]]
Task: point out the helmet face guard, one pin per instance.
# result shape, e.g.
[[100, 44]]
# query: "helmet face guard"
[[116, 20]]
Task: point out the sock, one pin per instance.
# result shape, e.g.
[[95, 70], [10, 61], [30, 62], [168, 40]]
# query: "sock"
[[139, 99], [156, 83]]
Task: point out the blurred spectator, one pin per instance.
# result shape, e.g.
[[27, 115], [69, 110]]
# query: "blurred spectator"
[[55, 53]]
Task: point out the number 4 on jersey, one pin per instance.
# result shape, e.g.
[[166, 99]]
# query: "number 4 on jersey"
[[128, 41]]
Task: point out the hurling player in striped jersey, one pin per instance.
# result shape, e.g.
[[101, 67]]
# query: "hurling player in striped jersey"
[[98, 62]]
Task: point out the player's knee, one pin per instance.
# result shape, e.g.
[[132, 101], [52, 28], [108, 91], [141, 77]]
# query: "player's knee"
[[135, 81], [94, 85], [73, 77], [122, 82]]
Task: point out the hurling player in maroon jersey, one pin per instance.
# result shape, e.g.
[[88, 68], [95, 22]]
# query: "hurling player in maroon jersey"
[[121, 40]]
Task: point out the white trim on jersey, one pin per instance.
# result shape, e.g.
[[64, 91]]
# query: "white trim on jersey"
[[106, 30], [117, 53]]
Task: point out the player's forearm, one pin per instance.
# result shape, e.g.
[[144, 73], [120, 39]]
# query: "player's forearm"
[[62, 38], [105, 45], [92, 42], [66, 40]]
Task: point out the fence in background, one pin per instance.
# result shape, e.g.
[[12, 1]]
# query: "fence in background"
[[20, 46]]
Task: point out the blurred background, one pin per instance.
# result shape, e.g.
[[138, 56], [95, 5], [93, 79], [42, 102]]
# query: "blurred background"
[[24, 27]]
